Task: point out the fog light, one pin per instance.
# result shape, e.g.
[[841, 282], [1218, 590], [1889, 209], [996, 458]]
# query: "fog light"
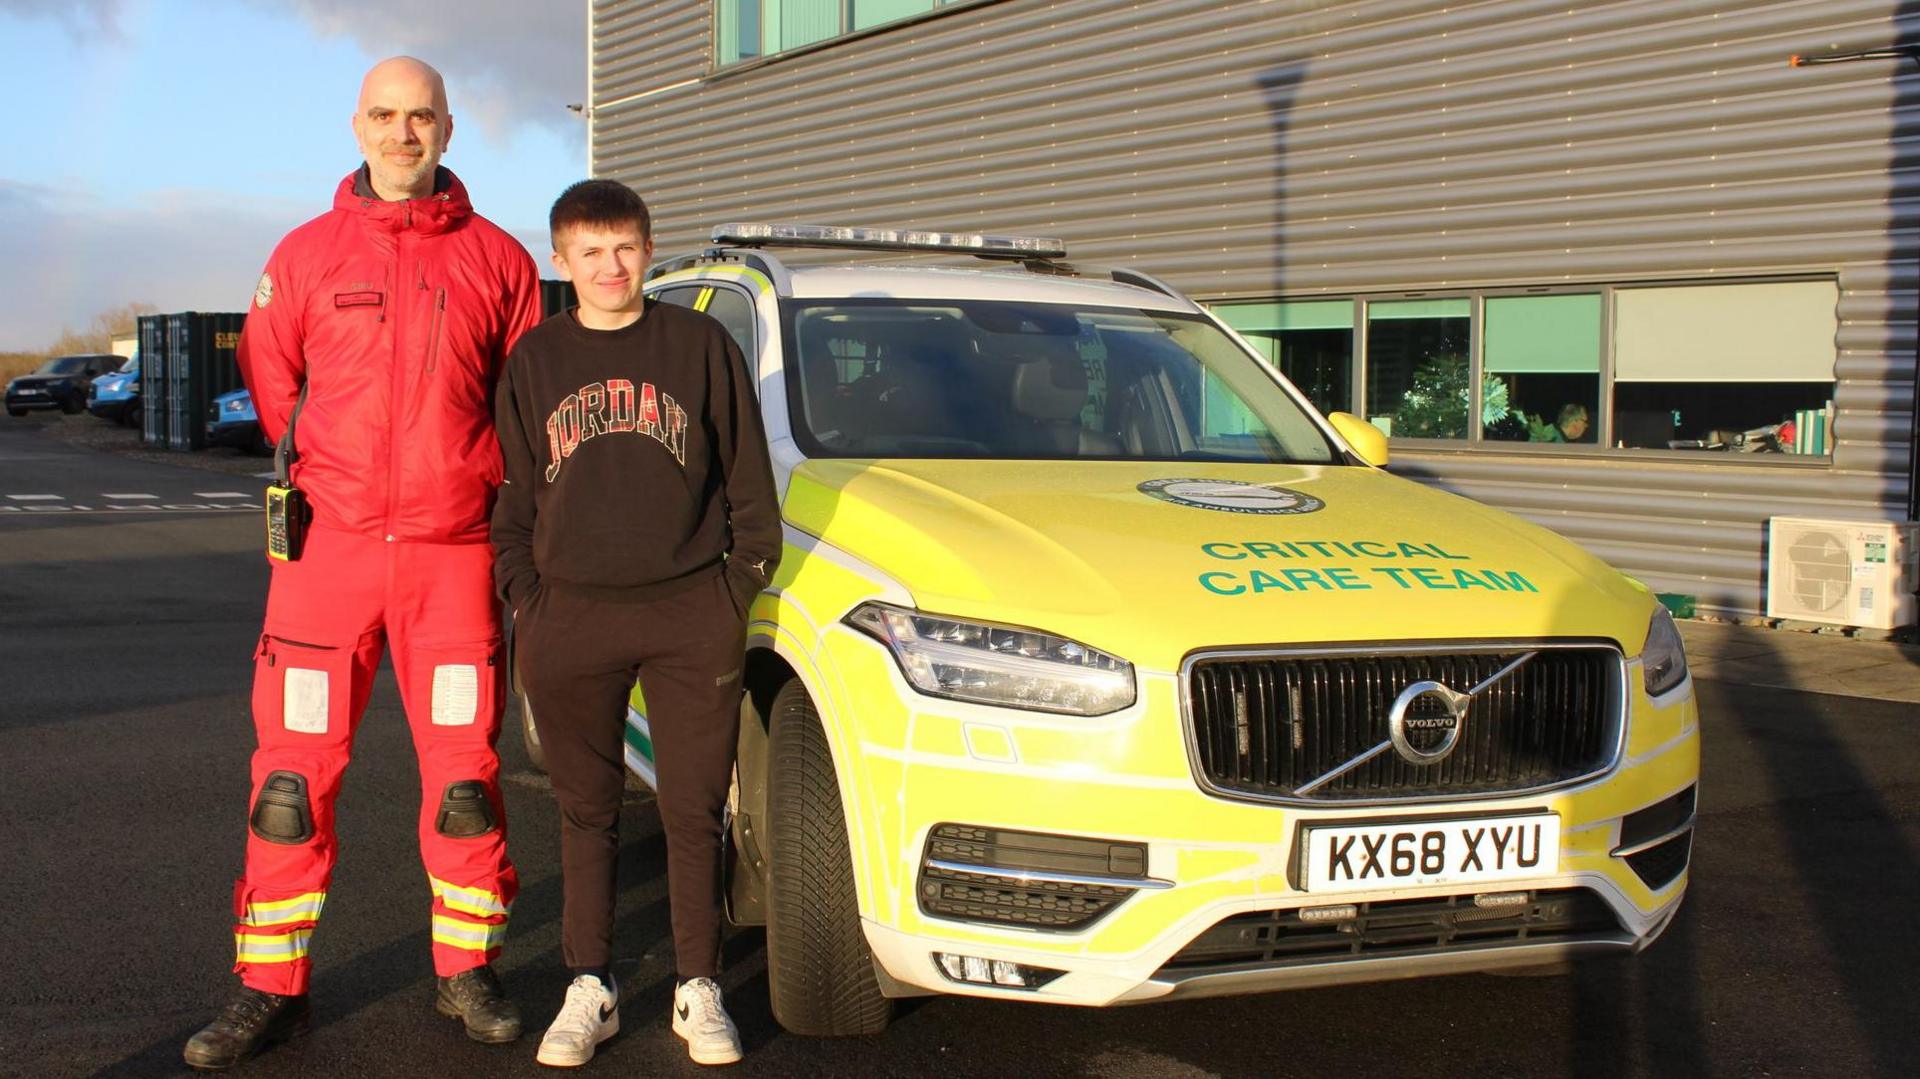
[[1496, 900], [974, 970]]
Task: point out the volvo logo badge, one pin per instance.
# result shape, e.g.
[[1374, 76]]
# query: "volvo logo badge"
[[1425, 722], [1423, 726]]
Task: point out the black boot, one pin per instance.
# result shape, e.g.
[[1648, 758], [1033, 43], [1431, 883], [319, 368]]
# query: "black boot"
[[475, 998], [250, 1022]]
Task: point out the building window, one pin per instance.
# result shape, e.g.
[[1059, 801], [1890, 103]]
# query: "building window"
[[1310, 342], [1542, 364], [1725, 367], [1418, 358], [750, 29], [1730, 368]]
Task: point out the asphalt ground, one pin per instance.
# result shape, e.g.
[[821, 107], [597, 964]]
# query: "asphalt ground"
[[125, 648]]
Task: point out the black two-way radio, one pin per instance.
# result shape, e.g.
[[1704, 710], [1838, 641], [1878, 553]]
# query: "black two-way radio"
[[287, 511]]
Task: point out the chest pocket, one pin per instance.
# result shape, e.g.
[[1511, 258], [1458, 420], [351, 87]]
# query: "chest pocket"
[[367, 298]]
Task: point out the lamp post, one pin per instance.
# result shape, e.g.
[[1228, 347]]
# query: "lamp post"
[[1893, 52]]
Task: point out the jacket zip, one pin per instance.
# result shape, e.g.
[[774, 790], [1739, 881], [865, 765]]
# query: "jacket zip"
[[397, 382], [433, 335]]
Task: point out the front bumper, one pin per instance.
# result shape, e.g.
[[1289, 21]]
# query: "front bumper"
[[112, 407], [1126, 778], [30, 399], [243, 434]]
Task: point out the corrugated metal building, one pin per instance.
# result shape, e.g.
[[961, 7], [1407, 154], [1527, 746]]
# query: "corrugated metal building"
[[1568, 254]]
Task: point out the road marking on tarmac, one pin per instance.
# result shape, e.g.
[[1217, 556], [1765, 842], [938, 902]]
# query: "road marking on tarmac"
[[129, 502]]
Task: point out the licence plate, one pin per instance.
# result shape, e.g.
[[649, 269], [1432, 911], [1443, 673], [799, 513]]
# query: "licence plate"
[[32, 393], [1400, 854]]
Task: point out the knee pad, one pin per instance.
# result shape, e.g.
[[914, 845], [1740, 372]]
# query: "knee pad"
[[465, 811], [280, 811]]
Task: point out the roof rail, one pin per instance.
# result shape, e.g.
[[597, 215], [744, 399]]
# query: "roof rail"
[[1143, 280]]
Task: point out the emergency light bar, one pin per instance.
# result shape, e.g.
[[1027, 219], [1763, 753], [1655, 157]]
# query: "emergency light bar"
[[764, 234]]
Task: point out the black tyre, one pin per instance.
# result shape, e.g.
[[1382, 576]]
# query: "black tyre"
[[536, 753], [819, 969], [73, 406], [12, 411]]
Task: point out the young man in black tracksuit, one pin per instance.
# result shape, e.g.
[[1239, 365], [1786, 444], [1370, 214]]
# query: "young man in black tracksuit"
[[636, 523]]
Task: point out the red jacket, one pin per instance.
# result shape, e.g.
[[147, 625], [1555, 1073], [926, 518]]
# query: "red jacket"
[[398, 317]]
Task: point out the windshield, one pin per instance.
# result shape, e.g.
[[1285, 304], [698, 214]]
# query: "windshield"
[[1000, 379], [131, 367], [63, 365]]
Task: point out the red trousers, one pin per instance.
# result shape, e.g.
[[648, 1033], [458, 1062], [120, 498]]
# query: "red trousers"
[[329, 616]]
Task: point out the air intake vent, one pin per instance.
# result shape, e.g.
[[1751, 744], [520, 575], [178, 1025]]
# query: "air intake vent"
[[1027, 879], [1394, 927]]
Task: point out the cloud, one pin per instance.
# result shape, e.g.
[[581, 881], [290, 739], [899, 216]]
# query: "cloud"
[[508, 62], [83, 18], [182, 250]]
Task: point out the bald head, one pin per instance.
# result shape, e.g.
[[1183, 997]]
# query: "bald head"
[[403, 126]]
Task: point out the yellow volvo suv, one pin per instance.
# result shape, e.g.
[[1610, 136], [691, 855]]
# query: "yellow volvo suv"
[[1101, 668]]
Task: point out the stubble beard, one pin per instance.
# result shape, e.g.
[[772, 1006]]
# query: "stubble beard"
[[411, 181]]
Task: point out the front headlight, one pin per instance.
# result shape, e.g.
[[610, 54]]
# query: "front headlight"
[[235, 405], [1000, 665], [1663, 662]]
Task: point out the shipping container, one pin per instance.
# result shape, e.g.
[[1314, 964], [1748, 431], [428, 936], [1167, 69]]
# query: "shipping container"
[[555, 297], [200, 366], [153, 380]]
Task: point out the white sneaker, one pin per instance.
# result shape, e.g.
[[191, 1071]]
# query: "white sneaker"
[[699, 1018], [589, 1016]]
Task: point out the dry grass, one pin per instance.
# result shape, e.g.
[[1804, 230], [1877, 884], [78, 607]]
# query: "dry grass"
[[15, 364]]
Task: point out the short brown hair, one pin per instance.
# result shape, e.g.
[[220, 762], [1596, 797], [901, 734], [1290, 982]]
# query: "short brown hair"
[[599, 204]]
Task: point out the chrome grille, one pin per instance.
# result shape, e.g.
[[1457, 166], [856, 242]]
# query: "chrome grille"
[[1264, 725]]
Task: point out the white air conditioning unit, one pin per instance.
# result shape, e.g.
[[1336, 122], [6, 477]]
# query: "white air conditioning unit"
[[1849, 573]]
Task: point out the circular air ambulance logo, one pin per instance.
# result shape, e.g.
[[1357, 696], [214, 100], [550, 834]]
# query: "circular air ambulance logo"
[[1231, 496], [263, 292]]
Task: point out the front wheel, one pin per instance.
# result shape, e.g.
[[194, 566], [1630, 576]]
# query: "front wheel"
[[12, 411], [819, 969], [73, 406]]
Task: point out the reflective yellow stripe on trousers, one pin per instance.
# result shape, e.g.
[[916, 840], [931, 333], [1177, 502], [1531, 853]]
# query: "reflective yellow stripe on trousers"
[[300, 908], [271, 948], [456, 933], [475, 901]]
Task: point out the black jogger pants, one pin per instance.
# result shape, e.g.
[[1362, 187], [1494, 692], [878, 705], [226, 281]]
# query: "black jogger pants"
[[578, 656]]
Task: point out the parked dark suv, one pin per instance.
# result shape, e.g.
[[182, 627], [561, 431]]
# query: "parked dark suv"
[[59, 383]]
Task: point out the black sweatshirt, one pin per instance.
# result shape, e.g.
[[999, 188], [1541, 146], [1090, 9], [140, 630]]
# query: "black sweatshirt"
[[635, 459]]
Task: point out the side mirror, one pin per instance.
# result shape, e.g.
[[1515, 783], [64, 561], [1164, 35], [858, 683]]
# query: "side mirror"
[[1365, 439]]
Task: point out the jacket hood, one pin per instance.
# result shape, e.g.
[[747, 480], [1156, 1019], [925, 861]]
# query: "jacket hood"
[[1152, 560], [436, 213]]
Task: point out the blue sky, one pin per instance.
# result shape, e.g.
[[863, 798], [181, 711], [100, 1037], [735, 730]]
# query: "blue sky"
[[157, 149]]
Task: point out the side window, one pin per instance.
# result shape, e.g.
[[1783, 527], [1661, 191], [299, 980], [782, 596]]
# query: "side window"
[[735, 312], [680, 295]]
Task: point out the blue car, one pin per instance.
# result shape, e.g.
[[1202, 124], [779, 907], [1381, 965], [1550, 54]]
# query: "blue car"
[[232, 422], [116, 395]]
